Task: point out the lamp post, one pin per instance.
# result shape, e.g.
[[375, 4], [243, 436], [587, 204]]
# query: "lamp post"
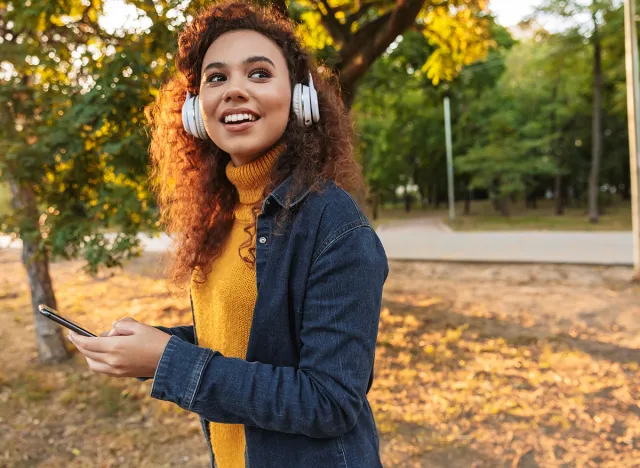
[[633, 107]]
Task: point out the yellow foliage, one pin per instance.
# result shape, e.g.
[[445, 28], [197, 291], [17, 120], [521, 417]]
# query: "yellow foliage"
[[460, 36], [311, 31], [461, 39]]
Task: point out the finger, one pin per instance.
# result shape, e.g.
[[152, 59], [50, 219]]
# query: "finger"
[[97, 344], [100, 367], [97, 357], [105, 333]]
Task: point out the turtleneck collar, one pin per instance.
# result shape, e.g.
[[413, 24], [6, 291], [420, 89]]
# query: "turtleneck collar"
[[250, 180]]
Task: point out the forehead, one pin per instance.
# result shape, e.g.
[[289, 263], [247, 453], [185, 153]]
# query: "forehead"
[[234, 47]]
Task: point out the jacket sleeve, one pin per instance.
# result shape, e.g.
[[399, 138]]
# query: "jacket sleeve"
[[323, 396], [184, 332]]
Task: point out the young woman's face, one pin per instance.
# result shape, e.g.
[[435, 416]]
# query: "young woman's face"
[[245, 94]]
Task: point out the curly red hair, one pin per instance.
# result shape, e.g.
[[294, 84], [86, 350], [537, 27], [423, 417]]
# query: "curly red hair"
[[195, 198]]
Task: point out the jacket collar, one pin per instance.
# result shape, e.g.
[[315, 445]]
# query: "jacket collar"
[[279, 194]]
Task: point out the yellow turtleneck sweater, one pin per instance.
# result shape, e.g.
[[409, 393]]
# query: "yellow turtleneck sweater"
[[223, 305]]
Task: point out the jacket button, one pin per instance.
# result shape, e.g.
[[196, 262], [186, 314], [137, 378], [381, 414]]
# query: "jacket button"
[[262, 240]]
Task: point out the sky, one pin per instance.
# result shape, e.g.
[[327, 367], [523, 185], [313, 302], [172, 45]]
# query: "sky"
[[508, 12], [511, 12]]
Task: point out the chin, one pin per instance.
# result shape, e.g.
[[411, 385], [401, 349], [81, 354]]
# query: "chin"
[[244, 151], [244, 146]]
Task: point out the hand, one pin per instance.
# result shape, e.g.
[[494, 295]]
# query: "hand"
[[130, 349]]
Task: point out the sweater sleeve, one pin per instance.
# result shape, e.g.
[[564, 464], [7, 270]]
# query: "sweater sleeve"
[[324, 395]]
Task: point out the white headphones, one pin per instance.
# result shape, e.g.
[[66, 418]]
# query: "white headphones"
[[304, 104]]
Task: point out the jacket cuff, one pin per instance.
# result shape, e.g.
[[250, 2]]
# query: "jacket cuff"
[[179, 372]]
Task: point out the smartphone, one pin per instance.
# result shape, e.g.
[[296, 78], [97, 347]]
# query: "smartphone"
[[56, 317]]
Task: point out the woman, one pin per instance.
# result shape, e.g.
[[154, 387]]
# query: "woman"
[[285, 272]]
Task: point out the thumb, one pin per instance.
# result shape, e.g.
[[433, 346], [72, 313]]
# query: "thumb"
[[121, 320], [119, 332], [125, 327]]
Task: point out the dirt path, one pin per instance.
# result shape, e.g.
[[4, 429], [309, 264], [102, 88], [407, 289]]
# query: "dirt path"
[[477, 365]]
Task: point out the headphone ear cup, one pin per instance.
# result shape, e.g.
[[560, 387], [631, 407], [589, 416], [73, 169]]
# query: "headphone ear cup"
[[192, 117], [296, 103], [306, 106], [315, 105], [199, 121], [185, 113]]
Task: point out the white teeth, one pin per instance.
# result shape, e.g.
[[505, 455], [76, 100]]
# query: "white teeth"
[[239, 117]]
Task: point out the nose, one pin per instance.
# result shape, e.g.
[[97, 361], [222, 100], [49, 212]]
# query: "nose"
[[234, 92]]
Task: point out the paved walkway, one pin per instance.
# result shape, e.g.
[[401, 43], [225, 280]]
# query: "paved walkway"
[[414, 242], [434, 241]]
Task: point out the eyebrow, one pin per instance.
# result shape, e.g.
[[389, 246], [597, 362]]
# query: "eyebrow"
[[248, 60]]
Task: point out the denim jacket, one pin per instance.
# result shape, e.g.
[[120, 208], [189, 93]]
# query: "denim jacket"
[[302, 390]]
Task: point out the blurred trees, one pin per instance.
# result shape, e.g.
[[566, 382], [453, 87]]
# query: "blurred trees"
[[596, 11], [72, 142], [523, 119]]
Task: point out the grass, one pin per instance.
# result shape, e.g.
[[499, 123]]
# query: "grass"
[[484, 218]]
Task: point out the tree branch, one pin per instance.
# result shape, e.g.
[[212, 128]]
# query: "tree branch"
[[331, 23], [372, 40]]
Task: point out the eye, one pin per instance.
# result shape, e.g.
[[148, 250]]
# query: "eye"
[[215, 78], [260, 73]]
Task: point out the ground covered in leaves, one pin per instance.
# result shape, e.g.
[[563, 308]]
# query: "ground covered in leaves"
[[477, 365]]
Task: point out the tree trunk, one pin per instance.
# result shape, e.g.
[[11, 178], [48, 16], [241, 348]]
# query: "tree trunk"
[[423, 195], [407, 202], [559, 195], [532, 199], [596, 155], [503, 205], [375, 203], [436, 198], [49, 339], [467, 203]]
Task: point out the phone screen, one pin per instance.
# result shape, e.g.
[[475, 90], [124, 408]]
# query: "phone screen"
[[56, 317]]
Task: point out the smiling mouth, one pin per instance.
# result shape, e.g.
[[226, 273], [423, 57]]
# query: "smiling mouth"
[[235, 119]]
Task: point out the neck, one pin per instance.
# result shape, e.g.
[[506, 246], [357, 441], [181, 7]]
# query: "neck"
[[241, 159]]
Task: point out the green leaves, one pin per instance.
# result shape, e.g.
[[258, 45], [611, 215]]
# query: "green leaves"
[[74, 127]]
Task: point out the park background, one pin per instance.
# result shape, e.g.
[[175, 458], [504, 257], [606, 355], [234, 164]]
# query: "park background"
[[492, 361]]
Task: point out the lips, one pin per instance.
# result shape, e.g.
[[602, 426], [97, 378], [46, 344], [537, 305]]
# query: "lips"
[[239, 127], [240, 114]]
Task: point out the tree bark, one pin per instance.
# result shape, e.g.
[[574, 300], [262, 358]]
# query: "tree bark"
[[436, 198], [49, 339], [407, 202], [467, 203], [559, 194], [503, 203], [596, 155], [360, 49], [375, 204]]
